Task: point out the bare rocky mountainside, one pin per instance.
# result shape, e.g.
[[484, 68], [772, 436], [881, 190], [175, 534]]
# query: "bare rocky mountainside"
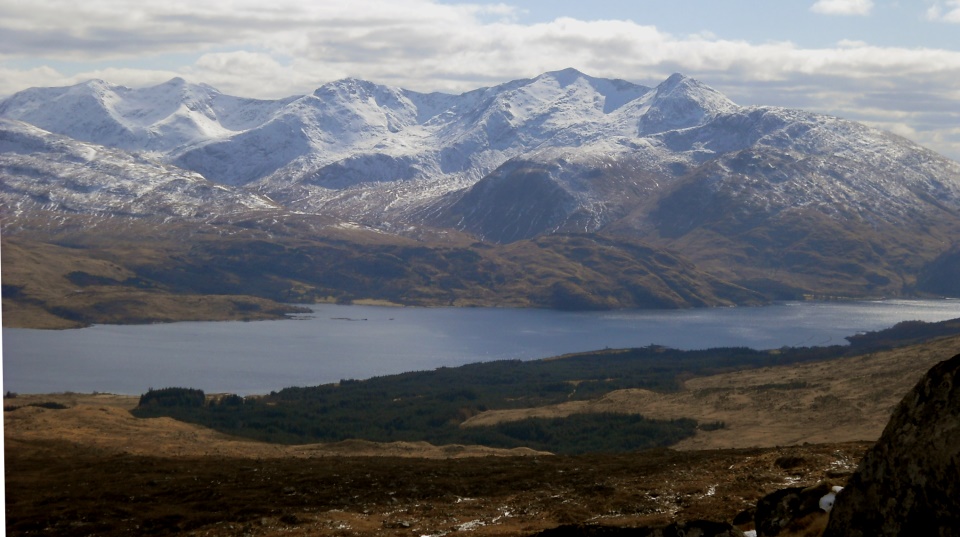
[[571, 179]]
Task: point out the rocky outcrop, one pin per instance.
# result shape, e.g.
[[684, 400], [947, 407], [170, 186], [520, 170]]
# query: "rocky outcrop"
[[790, 509], [909, 482]]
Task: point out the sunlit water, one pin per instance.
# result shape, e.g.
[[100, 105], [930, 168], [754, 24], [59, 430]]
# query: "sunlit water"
[[356, 342]]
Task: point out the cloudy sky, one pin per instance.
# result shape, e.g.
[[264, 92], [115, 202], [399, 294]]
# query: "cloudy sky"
[[893, 64]]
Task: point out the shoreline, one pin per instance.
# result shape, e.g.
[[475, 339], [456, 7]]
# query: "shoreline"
[[249, 309]]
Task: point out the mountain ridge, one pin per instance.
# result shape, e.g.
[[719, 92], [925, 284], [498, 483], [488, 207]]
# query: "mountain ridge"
[[783, 202]]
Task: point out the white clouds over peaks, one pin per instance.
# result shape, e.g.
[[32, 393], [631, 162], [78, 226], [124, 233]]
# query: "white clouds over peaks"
[[843, 7], [272, 49], [253, 48]]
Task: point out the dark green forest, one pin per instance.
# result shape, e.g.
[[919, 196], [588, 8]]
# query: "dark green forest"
[[430, 405]]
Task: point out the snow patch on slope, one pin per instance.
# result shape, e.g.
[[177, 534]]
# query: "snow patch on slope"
[[44, 171]]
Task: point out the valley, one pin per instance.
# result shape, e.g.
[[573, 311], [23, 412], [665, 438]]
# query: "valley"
[[82, 463]]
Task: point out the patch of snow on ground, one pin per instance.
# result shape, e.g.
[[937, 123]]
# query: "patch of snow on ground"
[[472, 525]]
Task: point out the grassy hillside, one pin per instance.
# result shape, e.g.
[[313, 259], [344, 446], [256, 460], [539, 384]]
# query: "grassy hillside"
[[141, 272], [51, 286]]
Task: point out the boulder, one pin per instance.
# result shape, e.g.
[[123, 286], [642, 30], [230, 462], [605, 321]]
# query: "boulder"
[[789, 509], [908, 484]]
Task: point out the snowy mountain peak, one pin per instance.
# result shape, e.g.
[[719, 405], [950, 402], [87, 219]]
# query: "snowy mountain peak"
[[682, 102], [175, 81], [614, 93], [370, 103], [95, 85], [350, 90], [349, 87], [681, 87], [564, 77], [674, 80]]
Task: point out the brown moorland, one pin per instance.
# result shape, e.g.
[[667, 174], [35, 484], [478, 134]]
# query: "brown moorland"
[[250, 270], [841, 400]]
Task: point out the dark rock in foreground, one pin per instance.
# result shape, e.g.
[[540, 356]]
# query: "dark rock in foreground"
[[784, 510], [908, 484]]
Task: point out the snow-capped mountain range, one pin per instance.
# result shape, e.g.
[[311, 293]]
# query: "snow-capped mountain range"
[[363, 146], [563, 152], [371, 152]]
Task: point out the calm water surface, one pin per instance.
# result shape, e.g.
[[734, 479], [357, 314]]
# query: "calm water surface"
[[356, 342]]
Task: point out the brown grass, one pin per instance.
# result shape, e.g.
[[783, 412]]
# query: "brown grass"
[[63, 488], [103, 422], [841, 400], [46, 298]]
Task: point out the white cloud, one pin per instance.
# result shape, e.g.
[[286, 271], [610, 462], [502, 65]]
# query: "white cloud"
[[237, 72], [850, 43], [843, 7], [13, 80], [945, 11], [262, 49]]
